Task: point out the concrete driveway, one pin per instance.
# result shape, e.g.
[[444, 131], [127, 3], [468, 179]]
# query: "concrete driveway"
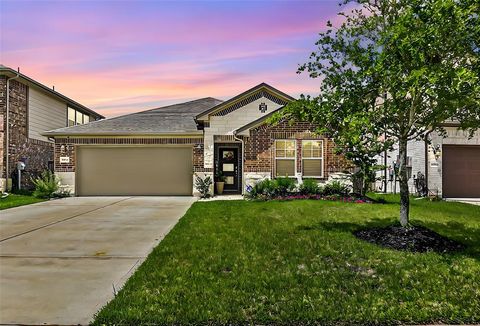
[[61, 260]]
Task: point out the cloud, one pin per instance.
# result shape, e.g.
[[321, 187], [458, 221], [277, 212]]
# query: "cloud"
[[121, 57]]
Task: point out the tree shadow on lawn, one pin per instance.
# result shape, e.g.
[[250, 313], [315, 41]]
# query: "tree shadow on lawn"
[[453, 232]]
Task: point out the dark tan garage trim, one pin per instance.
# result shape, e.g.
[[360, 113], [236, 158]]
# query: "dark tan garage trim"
[[461, 171], [134, 171]]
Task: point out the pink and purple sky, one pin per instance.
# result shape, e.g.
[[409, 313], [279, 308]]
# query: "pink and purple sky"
[[118, 57]]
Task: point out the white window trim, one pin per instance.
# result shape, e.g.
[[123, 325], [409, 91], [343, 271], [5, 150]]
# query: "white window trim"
[[314, 158], [275, 158]]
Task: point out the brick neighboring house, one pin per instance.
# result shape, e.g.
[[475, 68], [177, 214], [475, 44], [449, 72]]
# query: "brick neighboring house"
[[32, 109], [158, 151]]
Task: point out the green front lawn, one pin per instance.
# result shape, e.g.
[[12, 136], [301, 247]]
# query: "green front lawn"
[[18, 200], [298, 262]]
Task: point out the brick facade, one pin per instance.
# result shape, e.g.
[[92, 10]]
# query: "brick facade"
[[35, 153], [259, 147], [66, 147]]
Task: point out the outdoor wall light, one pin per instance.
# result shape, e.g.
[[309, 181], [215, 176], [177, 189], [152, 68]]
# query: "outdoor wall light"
[[437, 151]]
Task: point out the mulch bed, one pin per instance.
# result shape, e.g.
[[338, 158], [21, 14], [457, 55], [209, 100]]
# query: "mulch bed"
[[412, 238]]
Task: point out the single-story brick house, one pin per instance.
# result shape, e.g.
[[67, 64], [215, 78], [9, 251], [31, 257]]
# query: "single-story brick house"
[[159, 151]]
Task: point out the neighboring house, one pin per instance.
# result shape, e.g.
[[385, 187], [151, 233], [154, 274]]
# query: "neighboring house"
[[450, 165], [27, 110], [158, 151]]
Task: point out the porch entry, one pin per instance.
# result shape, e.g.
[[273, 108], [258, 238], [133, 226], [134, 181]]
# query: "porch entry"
[[228, 161]]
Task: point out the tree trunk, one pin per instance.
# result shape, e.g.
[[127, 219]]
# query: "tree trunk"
[[404, 194]]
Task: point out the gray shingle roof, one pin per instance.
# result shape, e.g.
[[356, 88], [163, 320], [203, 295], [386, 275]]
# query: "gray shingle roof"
[[171, 119]]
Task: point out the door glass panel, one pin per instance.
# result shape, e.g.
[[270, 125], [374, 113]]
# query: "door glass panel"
[[228, 167], [229, 180], [228, 155]]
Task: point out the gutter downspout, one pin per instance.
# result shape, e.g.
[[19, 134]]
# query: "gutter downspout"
[[243, 159], [7, 131]]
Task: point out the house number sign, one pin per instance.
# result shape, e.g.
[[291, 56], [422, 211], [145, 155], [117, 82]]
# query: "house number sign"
[[64, 159]]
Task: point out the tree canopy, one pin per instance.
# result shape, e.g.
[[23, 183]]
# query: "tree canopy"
[[394, 71]]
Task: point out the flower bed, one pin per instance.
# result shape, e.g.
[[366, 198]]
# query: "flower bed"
[[287, 189], [296, 196], [346, 199]]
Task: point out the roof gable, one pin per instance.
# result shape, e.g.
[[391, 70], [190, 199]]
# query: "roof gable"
[[255, 93]]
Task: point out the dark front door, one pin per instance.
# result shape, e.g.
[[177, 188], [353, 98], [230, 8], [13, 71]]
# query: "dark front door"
[[228, 166]]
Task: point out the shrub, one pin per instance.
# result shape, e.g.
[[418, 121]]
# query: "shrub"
[[309, 187], [46, 185], [335, 188], [264, 189], [203, 186], [62, 194], [284, 186]]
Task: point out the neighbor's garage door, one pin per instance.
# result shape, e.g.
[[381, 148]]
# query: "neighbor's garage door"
[[461, 171], [135, 171]]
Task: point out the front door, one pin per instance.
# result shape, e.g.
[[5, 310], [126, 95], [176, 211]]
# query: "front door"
[[228, 166]]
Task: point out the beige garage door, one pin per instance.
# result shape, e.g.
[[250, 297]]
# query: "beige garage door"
[[134, 171], [461, 171]]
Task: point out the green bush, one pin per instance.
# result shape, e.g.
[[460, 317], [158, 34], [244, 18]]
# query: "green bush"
[[264, 189], [203, 186], [284, 186], [46, 185], [335, 188], [309, 187]]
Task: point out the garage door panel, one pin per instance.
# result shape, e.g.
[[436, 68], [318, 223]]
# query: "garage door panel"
[[461, 171], [134, 171]]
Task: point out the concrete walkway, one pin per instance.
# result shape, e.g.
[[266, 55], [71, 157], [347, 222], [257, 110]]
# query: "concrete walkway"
[[61, 260], [471, 201]]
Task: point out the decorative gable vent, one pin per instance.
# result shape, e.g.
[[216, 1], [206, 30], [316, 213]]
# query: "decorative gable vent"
[[249, 100], [262, 107]]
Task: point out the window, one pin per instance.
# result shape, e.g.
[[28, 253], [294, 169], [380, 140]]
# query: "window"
[[285, 158], [71, 117], [76, 117], [312, 158]]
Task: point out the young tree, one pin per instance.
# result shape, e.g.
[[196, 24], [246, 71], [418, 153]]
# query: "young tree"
[[394, 71]]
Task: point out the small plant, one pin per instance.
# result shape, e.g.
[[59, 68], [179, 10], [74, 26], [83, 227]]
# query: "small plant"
[[46, 185], [309, 187], [62, 194], [284, 186], [220, 177], [203, 186], [336, 188]]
